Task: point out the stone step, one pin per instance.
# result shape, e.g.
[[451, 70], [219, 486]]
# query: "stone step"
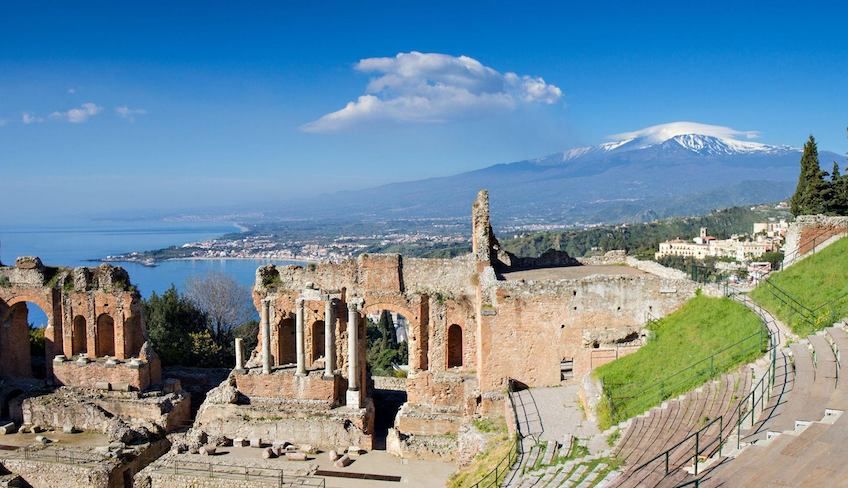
[[590, 478], [608, 479], [525, 459], [550, 450], [575, 475], [562, 475]]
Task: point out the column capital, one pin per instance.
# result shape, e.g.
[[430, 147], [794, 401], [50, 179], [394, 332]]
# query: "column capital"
[[300, 301], [352, 307]]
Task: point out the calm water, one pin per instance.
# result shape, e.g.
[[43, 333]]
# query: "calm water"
[[78, 245]]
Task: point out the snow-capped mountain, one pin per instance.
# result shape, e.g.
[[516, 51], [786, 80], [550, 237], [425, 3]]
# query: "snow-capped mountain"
[[710, 141], [670, 169]]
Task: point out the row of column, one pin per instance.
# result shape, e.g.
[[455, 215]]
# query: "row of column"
[[329, 343]]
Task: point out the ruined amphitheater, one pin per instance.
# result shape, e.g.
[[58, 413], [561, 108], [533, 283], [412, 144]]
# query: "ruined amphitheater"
[[303, 409]]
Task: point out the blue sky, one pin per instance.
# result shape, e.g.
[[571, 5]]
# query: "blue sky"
[[188, 105]]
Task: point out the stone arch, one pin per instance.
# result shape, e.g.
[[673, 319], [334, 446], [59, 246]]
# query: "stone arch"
[[318, 335], [79, 336], [105, 343], [286, 346], [454, 355], [417, 339], [16, 359]]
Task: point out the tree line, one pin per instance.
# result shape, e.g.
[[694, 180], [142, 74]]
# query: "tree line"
[[819, 192]]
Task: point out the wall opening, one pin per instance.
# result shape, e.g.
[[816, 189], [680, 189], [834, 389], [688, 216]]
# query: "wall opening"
[[388, 351], [454, 346], [105, 345], [286, 347], [79, 336], [318, 335], [22, 345]]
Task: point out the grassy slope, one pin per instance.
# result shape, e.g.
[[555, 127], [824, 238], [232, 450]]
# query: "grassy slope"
[[702, 327], [819, 282]]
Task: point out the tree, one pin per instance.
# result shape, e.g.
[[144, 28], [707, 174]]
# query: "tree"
[[226, 303], [171, 319], [812, 190]]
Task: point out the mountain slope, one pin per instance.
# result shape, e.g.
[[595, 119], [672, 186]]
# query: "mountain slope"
[[657, 172]]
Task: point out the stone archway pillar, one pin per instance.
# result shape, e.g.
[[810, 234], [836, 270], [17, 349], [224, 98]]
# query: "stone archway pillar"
[[329, 338], [266, 336], [298, 333], [353, 397]]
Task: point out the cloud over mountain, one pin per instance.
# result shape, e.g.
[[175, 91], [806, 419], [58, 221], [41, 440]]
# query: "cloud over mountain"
[[419, 87]]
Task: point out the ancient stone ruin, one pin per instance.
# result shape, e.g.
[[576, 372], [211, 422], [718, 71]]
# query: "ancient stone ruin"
[[98, 376], [473, 322]]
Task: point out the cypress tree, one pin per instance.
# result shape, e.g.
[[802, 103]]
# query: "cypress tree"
[[812, 189]]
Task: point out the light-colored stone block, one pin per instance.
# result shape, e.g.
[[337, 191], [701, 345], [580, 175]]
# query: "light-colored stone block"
[[343, 461]]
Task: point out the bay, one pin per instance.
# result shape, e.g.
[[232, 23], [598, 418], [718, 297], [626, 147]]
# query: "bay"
[[81, 244]]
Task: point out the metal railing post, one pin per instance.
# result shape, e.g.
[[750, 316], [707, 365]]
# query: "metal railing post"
[[697, 448], [720, 433]]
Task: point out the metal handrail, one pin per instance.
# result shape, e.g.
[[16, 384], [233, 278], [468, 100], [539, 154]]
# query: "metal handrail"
[[511, 457]]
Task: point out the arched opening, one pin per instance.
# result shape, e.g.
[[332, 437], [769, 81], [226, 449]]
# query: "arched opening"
[[105, 336], [79, 337], [22, 349], [454, 346], [286, 345], [318, 336]]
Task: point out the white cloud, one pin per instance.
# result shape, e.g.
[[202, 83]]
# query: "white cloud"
[[129, 113], [663, 132], [78, 115], [430, 87], [29, 118]]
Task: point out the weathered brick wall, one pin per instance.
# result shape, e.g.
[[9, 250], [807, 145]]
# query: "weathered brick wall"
[[42, 474], [72, 373], [439, 390], [811, 232], [533, 326], [285, 384]]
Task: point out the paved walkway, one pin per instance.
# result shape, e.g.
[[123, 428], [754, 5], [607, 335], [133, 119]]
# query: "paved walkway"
[[562, 415]]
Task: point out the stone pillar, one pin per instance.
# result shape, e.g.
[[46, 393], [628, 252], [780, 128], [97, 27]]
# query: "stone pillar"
[[240, 354], [329, 338], [298, 337], [266, 336], [353, 397]]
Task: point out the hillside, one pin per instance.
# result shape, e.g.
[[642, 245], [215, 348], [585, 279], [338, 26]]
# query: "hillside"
[[678, 357], [811, 294]]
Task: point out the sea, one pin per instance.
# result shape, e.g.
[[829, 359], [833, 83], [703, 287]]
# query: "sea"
[[84, 244]]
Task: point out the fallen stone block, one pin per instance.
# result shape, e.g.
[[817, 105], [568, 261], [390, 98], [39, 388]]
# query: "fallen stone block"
[[255, 442], [343, 461], [25, 429], [7, 428], [69, 429], [355, 451], [207, 450], [240, 442], [308, 448], [42, 439], [268, 453], [103, 385], [35, 429], [121, 387], [333, 455], [296, 456]]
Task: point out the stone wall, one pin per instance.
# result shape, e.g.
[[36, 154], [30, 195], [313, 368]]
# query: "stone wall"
[[44, 474], [136, 375], [547, 321], [812, 233], [283, 383]]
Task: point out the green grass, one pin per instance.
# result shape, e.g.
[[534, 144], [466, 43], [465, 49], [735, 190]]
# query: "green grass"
[[481, 467], [819, 282], [677, 358]]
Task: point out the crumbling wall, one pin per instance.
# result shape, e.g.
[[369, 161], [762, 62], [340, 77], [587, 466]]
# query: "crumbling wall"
[[810, 233]]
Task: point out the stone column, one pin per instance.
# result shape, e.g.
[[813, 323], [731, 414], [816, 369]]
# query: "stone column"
[[266, 336], [239, 354], [353, 398], [298, 337], [329, 338]]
